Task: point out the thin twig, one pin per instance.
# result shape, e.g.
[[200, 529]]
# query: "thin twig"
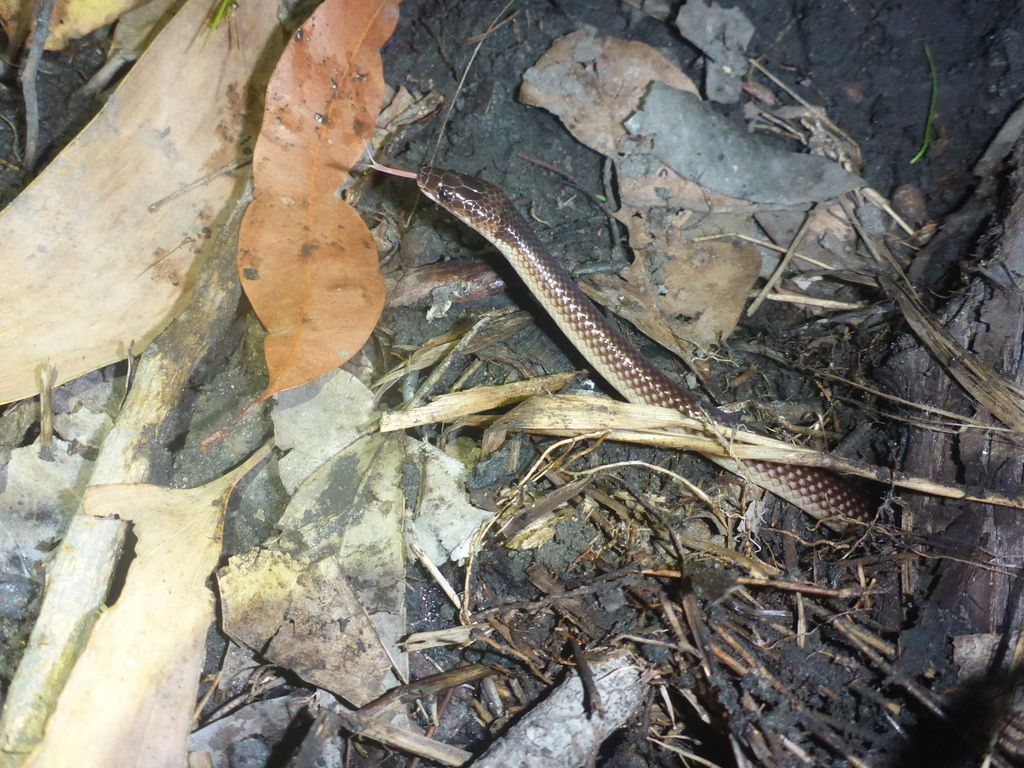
[[229, 168], [818, 111], [438, 373], [783, 262], [595, 704], [28, 81]]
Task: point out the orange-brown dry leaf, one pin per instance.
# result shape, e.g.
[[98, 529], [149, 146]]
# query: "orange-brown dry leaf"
[[306, 259]]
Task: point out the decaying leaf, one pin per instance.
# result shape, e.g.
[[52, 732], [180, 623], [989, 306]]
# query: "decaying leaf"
[[593, 84], [601, 81], [305, 599], [314, 422], [701, 145], [88, 267], [698, 262], [723, 34], [326, 598], [304, 616], [668, 307], [594, 101], [306, 259], [41, 492]]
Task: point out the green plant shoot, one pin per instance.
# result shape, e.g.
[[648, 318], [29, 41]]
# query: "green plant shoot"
[[928, 125]]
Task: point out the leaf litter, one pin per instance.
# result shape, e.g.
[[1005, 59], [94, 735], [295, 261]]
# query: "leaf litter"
[[316, 559]]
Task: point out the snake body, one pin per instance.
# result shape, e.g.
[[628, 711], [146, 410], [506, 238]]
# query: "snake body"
[[482, 206]]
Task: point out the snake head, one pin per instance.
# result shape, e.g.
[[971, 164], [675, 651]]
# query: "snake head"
[[475, 202]]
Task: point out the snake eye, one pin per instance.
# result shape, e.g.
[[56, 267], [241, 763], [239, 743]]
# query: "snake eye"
[[445, 195]]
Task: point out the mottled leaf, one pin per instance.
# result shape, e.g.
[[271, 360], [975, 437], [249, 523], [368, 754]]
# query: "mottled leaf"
[[306, 259]]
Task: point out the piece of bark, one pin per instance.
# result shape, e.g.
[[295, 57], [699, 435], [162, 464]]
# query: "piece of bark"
[[974, 592], [463, 279], [560, 730]]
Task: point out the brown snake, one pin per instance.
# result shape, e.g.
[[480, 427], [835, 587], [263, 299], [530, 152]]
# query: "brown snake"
[[486, 209]]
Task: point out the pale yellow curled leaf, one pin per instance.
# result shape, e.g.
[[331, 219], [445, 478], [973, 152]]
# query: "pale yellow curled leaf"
[[75, 18], [88, 268], [130, 697], [71, 18]]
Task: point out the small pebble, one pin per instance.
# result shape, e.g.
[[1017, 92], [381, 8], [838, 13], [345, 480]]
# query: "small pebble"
[[908, 202], [420, 246]]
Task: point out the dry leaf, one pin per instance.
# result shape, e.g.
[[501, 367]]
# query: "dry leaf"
[[326, 598], [593, 84], [724, 271], [323, 599], [70, 19], [723, 35], [130, 698], [314, 422], [16, 16], [680, 293], [88, 268], [305, 617], [699, 144], [306, 259], [695, 288]]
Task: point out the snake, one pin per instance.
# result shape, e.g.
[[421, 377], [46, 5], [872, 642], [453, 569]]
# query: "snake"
[[485, 208]]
